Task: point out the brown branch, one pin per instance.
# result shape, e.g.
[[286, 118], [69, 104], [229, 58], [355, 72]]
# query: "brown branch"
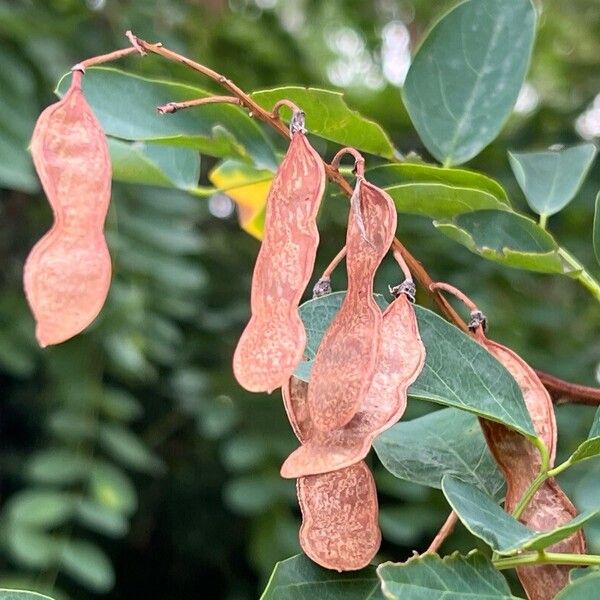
[[446, 529], [565, 392], [172, 107], [576, 393]]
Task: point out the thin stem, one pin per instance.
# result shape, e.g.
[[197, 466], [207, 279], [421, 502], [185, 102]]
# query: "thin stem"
[[543, 221], [104, 58], [445, 530], [440, 285], [359, 161], [416, 268], [534, 486], [544, 558], [172, 107], [581, 275], [402, 264], [558, 470], [574, 392], [337, 259]]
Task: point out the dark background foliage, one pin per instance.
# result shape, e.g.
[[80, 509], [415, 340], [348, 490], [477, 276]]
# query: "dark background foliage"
[[185, 497]]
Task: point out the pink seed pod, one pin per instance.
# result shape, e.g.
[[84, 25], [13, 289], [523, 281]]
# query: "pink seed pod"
[[520, 463], [400, 362], [339, 518], [67, 273], [273, 341], [347, 357]]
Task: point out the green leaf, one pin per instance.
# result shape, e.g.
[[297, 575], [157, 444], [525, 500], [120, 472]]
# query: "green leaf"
[[444, 442], [467, 74], [120, 405], [56, 466], [87, 564], [329, 117], [154, 164], [484, 518], [550, 180], [454, 577], [129, 449], [591, 447], [298, 578], [40, 508], [21, 595], [437, 192], [98, 517], [110, 487], [457, 372], [596, 233], [125, 104], [31, 548], [506, 238], [583, 588]]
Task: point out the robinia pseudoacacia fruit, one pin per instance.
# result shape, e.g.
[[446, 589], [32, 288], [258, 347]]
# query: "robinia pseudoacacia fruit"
[[67, 273], [273, 342]]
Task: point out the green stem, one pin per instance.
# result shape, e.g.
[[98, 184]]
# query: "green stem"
[[580, 274], [537, 482], [543, 221], [543, 558], [562, 467]]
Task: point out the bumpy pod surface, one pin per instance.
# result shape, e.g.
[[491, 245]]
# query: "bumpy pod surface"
[[519, 461], [347, 357], [67, 273], [400, 362], [339, 518], [273, 341]]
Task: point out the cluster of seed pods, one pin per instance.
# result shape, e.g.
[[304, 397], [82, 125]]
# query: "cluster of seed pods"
[[273, 342], [520, 463], [362, 369], [67, 273]]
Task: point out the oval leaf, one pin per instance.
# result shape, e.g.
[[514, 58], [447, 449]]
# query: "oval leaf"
[[505, 535], [458, 371], [551, 179], [506, 238], [154, 164], [125, 105], [298, 578], [583, 588], [454, 577], [329, 117], [437, 192], [445, 442], [87, 564], [466, 76]]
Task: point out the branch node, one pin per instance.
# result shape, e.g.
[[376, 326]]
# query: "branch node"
[[135, 42]]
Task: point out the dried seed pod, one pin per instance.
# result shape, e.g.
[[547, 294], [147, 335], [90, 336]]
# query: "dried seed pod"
[[339, 518], [273, 341], [67, 273], [400, 362], [520, 463], [347, 357]]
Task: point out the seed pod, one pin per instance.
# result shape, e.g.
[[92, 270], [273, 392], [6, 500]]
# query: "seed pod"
[[67, 273], [401, 360], [339, 512], [519, 461], [347, 357], [273, 341]]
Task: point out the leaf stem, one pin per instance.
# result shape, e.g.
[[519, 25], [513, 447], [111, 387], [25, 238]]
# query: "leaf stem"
[[541, 558], [537, 482], [543, 220], [581, 274]]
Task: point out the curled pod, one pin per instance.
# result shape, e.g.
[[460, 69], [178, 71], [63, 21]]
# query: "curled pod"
[[400, 362], [67, 273], [339, 518], [520, 463], [346, 360], [273, 341]]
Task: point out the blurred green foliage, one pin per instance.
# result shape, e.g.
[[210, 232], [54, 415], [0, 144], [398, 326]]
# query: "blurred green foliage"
[[131, 463]]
